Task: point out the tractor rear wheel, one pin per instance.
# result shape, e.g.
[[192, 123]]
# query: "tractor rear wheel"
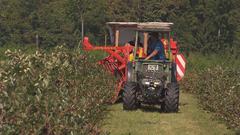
[[171, 103], [129, 96]]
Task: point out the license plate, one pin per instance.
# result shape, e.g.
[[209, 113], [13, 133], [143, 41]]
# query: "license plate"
[[153, 68]]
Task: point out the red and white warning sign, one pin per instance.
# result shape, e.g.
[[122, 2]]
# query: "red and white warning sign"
[[181, 65]]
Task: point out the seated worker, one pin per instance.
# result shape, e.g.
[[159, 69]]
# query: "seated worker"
[[165, 45], [132, 42], [140, 52], [155, 48]]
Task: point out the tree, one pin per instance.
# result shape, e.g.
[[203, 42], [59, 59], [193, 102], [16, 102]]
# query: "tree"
[[22, 20], [202, 25]]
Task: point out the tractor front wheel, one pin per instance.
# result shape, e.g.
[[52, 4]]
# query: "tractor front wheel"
[[129, 96], [171, 103]]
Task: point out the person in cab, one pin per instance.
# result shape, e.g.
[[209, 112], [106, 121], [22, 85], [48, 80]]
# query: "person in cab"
[[155, 48]]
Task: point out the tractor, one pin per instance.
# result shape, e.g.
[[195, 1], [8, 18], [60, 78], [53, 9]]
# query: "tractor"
[[141, 80]]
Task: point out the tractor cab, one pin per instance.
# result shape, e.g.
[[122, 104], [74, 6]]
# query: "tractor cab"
[[139, 34]]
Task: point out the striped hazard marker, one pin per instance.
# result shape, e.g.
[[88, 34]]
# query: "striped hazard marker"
[[181, 65]]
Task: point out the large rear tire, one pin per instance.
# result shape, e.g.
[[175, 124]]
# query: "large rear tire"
[[129, 96], [171, 102]]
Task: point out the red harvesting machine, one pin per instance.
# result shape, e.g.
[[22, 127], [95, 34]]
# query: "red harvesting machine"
[[122, 52]]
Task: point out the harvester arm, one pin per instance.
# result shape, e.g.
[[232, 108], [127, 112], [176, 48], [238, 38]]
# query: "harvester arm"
[[88, 47], [114, 52]]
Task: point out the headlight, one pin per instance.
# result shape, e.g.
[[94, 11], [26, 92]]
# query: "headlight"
[[150, 82]]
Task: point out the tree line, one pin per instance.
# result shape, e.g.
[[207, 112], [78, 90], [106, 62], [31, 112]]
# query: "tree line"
[[200, 25]]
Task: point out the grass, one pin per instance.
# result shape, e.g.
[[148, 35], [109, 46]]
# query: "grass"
[[191, 120]]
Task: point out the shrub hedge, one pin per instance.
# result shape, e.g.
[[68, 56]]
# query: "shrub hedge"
[[52, 93], [218, 88]]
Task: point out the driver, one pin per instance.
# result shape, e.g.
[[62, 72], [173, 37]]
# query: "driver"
[[155, 48]]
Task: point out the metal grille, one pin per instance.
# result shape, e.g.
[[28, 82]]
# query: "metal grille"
[[154, 74]]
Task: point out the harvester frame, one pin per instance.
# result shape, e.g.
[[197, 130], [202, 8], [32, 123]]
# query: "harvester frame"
[[123, 61]]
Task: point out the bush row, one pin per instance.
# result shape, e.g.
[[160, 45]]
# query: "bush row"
[[52, 93], [218, 89]]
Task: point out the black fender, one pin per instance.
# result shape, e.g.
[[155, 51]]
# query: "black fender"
[[130, 72], [174, 72]]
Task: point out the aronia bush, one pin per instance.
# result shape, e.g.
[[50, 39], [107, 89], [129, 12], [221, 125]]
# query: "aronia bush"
[[218, 89], [52, 93]]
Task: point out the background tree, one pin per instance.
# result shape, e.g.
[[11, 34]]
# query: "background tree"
[[204, 26], [22, 20]]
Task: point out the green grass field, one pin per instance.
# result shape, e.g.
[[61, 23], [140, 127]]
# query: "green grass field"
[[191, 120]]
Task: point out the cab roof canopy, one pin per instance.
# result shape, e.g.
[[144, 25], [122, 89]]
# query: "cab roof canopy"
[[142, 26]]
